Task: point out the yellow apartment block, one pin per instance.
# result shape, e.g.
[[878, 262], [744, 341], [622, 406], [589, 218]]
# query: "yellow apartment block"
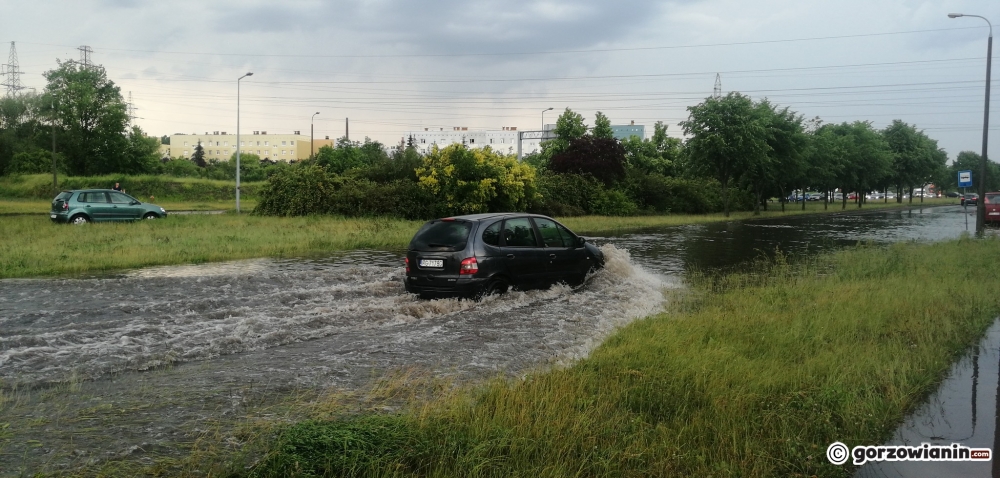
[[221, 146]]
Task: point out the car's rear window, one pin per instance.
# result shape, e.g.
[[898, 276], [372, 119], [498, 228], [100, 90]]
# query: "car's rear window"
[[63, 196], [438, 234], [992, 199]]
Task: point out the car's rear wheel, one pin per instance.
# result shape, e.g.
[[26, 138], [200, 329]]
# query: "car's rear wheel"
[[150, 215], [496, 286], [79, 219]]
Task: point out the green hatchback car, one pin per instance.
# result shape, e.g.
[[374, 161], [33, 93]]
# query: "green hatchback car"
[[97, 205]]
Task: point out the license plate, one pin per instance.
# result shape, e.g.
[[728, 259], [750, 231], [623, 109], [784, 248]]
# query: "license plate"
[[52, 216], [995, 214], [431, 263]]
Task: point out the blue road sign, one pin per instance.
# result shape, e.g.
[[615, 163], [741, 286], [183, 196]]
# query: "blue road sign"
[[965, 179]]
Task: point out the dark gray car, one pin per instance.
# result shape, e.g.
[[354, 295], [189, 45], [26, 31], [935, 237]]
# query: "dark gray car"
[[483, 254]]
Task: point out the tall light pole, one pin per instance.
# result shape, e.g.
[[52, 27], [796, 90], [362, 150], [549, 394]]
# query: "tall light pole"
[[238, 146], [543, 117], [312, 142], [980, 203]]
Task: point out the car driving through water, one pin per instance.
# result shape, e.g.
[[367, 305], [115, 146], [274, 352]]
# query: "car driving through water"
[[483, 254], [97, 205]]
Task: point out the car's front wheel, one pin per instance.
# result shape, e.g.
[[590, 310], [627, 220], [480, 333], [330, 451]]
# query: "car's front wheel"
[[150, 215], [79, 219]]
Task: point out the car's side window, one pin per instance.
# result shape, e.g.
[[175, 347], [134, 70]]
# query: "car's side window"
[[491, 235], [550, 234], [568, 238], [93, 197], [119, 198], [519, 233]]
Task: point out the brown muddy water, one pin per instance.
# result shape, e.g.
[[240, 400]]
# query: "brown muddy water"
[[139, 364]]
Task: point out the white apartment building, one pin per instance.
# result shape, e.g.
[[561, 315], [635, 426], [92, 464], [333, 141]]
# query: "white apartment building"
[[503, 140], [221, 145]]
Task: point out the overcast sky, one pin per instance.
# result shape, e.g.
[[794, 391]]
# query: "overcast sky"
[[393, 66]]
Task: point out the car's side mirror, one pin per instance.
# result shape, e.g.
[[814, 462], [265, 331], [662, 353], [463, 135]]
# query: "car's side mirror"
[[136, 203], [580, 241]]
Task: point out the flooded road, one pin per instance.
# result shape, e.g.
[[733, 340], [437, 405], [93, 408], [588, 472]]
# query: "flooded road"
[[175, 347]]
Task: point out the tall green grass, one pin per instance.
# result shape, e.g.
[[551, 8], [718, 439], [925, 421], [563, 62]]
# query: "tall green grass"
[[39, 186], [33, 246], [751, 374]]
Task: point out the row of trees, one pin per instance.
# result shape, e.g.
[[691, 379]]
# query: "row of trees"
[[771, 151], [78, 125]]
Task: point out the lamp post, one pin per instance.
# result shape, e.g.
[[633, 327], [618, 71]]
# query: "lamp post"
[[238, 145], [543, 117], [312, 143], [980, 203]]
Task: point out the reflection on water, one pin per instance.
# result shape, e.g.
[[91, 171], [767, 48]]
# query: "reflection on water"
[[722, 245], [964, 410]]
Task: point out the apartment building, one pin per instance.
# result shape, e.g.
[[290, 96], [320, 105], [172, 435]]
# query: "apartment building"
[[221, 145], [503, 140]]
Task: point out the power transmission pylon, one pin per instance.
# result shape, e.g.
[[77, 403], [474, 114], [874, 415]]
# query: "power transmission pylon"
[[85, 52], [131, 109], [717, 92], [13, 73]]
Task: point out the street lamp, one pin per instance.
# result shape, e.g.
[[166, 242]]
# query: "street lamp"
[[312, 146], [238, 146], [543, 117], [980, 203]]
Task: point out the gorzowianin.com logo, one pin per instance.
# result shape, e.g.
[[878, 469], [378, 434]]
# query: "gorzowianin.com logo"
[[838, 453]]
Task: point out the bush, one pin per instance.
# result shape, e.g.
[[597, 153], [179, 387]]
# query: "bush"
[[565, 194], [303, 190], [465, 181], [612, 202], [657, 193]]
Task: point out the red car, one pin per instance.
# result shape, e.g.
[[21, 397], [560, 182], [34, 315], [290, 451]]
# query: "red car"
[[992, 203]]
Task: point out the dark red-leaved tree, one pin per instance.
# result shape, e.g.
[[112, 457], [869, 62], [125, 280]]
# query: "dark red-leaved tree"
[[603, 158]]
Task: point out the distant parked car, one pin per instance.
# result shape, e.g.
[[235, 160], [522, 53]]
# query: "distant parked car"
[[992, 204], [969, 199], [953, 194], [838, 196], [483, 254], [98, 205]]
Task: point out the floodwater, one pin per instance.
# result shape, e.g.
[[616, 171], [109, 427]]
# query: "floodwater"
[[150, 357], [964, 410]]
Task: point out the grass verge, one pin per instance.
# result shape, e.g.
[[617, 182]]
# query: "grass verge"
[[33, 246], [750, 374]]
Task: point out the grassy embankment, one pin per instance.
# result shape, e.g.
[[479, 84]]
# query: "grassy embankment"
[[33, 193], [748, 375], [32, 246]]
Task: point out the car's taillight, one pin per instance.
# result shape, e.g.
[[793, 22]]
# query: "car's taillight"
[[469, 266], [65, 206], [407, 264]]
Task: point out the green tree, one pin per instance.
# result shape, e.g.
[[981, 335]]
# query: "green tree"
[[465, 181], [91, 111], [602, 127], [569, 126], [727, 136], [602, 158], [653, 155], [783, 165], [199, 155], [863, 154], [970, 161]]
